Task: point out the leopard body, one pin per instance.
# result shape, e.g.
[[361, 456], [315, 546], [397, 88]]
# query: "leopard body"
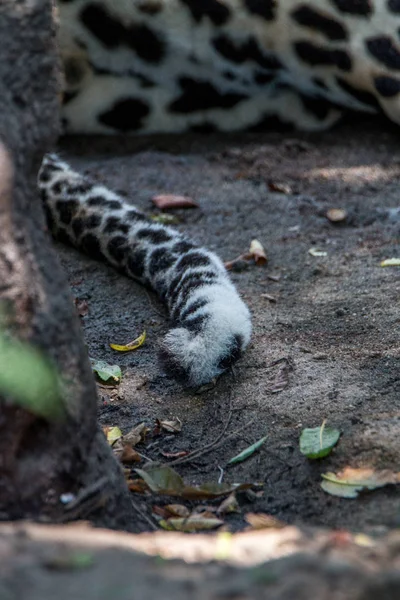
[[177, 65]]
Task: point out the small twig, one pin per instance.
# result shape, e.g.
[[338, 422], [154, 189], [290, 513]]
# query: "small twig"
[[143, 515], [87, 493], [214, 445], [86, 501], [237, 432], [144, 456], [201, 451], [286, 359], [152, 444], [221, 475]]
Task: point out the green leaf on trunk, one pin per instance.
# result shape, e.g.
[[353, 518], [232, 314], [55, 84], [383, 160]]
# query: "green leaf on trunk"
[[28, 379]]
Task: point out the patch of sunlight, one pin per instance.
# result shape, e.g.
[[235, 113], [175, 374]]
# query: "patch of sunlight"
[[368, 173]]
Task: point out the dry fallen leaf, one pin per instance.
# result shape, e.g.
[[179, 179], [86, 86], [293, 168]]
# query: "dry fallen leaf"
[[159, 511], [336, 215], [112, 434], [164, 480], [206, 514], [348, 482], [165, 201], [229, 505], [125, 453], [177, 510], [253, 495], [263, 521], [213, 490], [122, 445], [268, 297], [174, 455], [129, 455], [281, 378], [316, 252], [171, 426], [193, 523], [171, 510], [137, 486], [134, 345], [136, 434], [257, 252], [282, 188]]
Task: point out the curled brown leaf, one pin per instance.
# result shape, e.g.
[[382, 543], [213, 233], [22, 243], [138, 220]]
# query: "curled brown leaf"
[[167, 201]]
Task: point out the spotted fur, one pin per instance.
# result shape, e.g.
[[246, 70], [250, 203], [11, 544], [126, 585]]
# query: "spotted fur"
[[176, 65], [210, 323]]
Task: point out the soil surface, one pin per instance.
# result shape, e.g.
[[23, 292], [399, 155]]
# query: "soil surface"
[[325, 346]]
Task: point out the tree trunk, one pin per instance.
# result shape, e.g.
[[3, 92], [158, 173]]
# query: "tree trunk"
[[40, 460]]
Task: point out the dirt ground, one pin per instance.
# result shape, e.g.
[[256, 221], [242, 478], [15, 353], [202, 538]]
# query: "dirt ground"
[[335, 320], [325, 347]]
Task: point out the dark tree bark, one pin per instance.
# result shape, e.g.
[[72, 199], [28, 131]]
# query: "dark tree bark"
[[40, 460]]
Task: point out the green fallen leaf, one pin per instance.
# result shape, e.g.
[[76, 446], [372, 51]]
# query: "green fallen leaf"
[[29, 379], [162, 480], [318, 441], [391, 262], [106, 371], [247, 452]]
